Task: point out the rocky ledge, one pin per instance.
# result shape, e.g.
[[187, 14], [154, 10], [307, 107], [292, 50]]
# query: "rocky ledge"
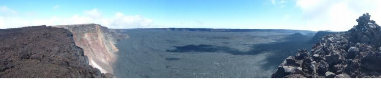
[[43, 52], [352, 54]]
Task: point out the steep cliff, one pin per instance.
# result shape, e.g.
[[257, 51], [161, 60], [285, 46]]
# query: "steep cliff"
[[352, 54], [98, 43], [42, 52]]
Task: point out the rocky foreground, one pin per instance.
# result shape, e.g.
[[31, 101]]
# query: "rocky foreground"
[[43, 52], [352, 54]]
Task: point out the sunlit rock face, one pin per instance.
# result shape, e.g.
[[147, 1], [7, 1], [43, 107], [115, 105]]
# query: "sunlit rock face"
[[98, 43]]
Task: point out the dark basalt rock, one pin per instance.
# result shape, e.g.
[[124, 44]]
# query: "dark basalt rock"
[[291, 61], [342, 76], [330, 75], [323, 67], [333, 58], [352, 52], [302, 54], [280, 73], [355, 53], [295, 76], [372, 61], [42, 52], [107, 75]]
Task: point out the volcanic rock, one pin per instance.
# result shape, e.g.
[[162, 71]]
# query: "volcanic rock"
[[318, 36], [333, 59], [107, 75], [42, 52], [323, 67], [364, 39], [291, 61], [330, 75], [355, 53], [352, 52], [302, 54], [289, 70], [342, 76], [295, 76]]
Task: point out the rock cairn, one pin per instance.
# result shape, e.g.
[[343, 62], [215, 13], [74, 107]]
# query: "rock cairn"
[[352, 54]]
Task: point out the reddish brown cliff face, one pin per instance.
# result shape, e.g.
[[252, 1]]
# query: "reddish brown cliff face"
[[98, 43]]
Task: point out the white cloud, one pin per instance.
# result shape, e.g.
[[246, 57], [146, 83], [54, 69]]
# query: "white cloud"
[[273, 2], [4, 10], [94, 13], [122, 21], [119, 20], [280, 3], [56, 7], [338, 15], [12, 22]]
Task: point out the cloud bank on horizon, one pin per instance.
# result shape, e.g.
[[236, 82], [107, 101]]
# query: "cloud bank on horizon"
[[9, 18], [336, 15]]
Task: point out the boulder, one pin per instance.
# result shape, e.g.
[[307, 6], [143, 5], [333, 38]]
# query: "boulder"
[[313, 67], [323, 67], [332, 59], [372, 26], [302, 54], [317, 57], [291, 61], [280, 73], [352, 52], [337, 67], [330, 74], [342, 76], [339, 72], [352, 66], [289, 69]]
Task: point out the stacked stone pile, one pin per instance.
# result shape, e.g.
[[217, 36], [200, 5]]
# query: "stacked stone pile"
[[352, 54]]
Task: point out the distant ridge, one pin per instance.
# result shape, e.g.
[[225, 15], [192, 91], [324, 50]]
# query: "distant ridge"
[[224, 30], [319, 35]]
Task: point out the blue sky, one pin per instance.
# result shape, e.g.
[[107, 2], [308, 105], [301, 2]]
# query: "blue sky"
[[253, 14]]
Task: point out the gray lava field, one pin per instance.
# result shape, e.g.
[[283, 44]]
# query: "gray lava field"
[[206, 53]]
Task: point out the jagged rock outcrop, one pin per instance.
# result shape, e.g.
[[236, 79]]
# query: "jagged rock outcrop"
[[98, 43], [352, 54], [320, 34], [42, 52]]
